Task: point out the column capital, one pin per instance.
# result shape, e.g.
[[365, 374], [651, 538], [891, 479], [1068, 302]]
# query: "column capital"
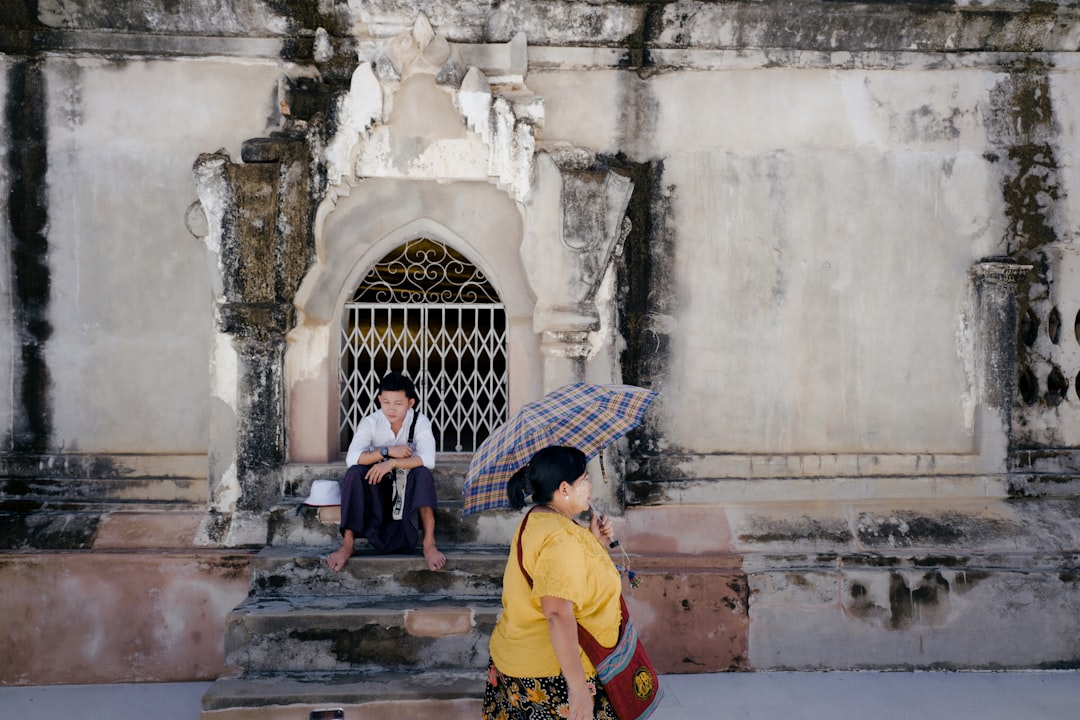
[[999, 271]]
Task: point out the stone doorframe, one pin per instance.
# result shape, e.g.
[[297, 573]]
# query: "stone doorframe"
[[431, 139]]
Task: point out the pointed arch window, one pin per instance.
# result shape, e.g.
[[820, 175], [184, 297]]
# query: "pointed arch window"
[[427, 311]]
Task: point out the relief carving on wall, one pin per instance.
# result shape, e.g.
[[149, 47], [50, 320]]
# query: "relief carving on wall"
[[378, 135], [573, 209]]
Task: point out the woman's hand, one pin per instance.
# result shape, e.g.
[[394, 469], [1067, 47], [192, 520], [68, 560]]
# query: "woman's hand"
[[581, 703], [601, 527]]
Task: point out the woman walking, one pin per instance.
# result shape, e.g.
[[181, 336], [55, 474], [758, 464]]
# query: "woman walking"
[[559, 574]]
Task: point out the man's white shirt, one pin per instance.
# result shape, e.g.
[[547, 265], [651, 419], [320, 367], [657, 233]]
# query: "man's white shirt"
[[374, 432]]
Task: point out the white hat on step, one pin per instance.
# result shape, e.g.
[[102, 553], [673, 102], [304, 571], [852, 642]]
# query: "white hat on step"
[[324, 492]]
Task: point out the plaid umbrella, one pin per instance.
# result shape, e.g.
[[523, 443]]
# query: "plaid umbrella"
[[582, 415]]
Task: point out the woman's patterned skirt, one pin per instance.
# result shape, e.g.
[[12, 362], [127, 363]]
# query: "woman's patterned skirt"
[[543, 698]]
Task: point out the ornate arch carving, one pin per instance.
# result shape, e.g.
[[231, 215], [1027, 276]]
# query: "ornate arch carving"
[[427, 131]]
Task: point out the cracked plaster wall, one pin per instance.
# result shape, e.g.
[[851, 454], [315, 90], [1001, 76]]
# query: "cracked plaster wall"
[[805, 217], [904, 619], [804, 227], [130, 302], [825, 249]]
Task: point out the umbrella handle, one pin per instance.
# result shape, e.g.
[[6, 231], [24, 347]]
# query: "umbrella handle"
[[631, 576], [613, 543]]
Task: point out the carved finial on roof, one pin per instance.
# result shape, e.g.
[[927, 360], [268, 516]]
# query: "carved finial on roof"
[[421, 50]]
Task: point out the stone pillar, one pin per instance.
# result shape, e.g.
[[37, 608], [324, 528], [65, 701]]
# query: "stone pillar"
[[994, 283], [247, 432], [575, 228], [258, 223]]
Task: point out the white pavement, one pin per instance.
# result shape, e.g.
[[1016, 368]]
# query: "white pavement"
[[721, 696]]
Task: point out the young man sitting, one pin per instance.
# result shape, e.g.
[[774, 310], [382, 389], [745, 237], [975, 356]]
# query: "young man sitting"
[[394, 440]]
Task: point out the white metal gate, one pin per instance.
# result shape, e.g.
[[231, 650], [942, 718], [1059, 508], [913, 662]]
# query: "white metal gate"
[[428, 312]]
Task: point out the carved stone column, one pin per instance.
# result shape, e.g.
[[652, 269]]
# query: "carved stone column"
[[575, 229], [994, 285], [258, 220]]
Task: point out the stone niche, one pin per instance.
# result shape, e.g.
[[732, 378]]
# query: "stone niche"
[[431, 139]]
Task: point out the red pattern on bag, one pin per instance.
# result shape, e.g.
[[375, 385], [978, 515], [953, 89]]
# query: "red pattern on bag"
[[625, 670]]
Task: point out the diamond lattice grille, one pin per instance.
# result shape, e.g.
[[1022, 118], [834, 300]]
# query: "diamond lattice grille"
[[427, 311]]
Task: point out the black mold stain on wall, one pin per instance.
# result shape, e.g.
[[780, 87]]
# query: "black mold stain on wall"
[[1032, 187], [645, 278], [28, 215], [1024, 137], [303, 15], [923, 604], [18, 13]]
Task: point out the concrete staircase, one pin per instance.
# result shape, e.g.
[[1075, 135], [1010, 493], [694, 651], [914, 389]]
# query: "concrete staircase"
[[384, 634]]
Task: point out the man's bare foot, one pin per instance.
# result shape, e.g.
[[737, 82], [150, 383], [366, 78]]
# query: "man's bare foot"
[[435, 559], [339, 557]]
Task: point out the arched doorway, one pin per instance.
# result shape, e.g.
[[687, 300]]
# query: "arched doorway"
[[281, 286], [424, 309]]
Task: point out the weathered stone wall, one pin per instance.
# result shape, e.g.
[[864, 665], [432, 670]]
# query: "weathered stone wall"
[[823, 247], [117, 616], [860, 159], [123, 367], [7, 320], [841, 215]]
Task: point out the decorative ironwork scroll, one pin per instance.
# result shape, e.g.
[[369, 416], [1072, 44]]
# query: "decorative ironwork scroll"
[[425, 271]]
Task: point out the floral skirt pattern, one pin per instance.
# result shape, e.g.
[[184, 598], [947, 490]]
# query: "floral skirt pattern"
[[543, 698]]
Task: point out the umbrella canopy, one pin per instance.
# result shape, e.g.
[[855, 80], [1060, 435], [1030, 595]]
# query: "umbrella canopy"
[[586, 416]]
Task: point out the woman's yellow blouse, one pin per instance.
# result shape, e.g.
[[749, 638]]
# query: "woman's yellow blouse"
[[565, 561]]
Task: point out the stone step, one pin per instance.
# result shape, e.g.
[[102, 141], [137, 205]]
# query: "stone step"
[[302, 571], [449, 472], [305, 634], [294, 524], [441, 695]]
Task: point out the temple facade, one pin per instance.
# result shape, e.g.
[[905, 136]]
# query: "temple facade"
[[837, 239]]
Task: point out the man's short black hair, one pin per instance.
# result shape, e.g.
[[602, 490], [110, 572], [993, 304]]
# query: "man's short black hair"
[[395, 382]]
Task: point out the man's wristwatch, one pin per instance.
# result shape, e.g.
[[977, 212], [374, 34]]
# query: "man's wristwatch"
[[385, 452]]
